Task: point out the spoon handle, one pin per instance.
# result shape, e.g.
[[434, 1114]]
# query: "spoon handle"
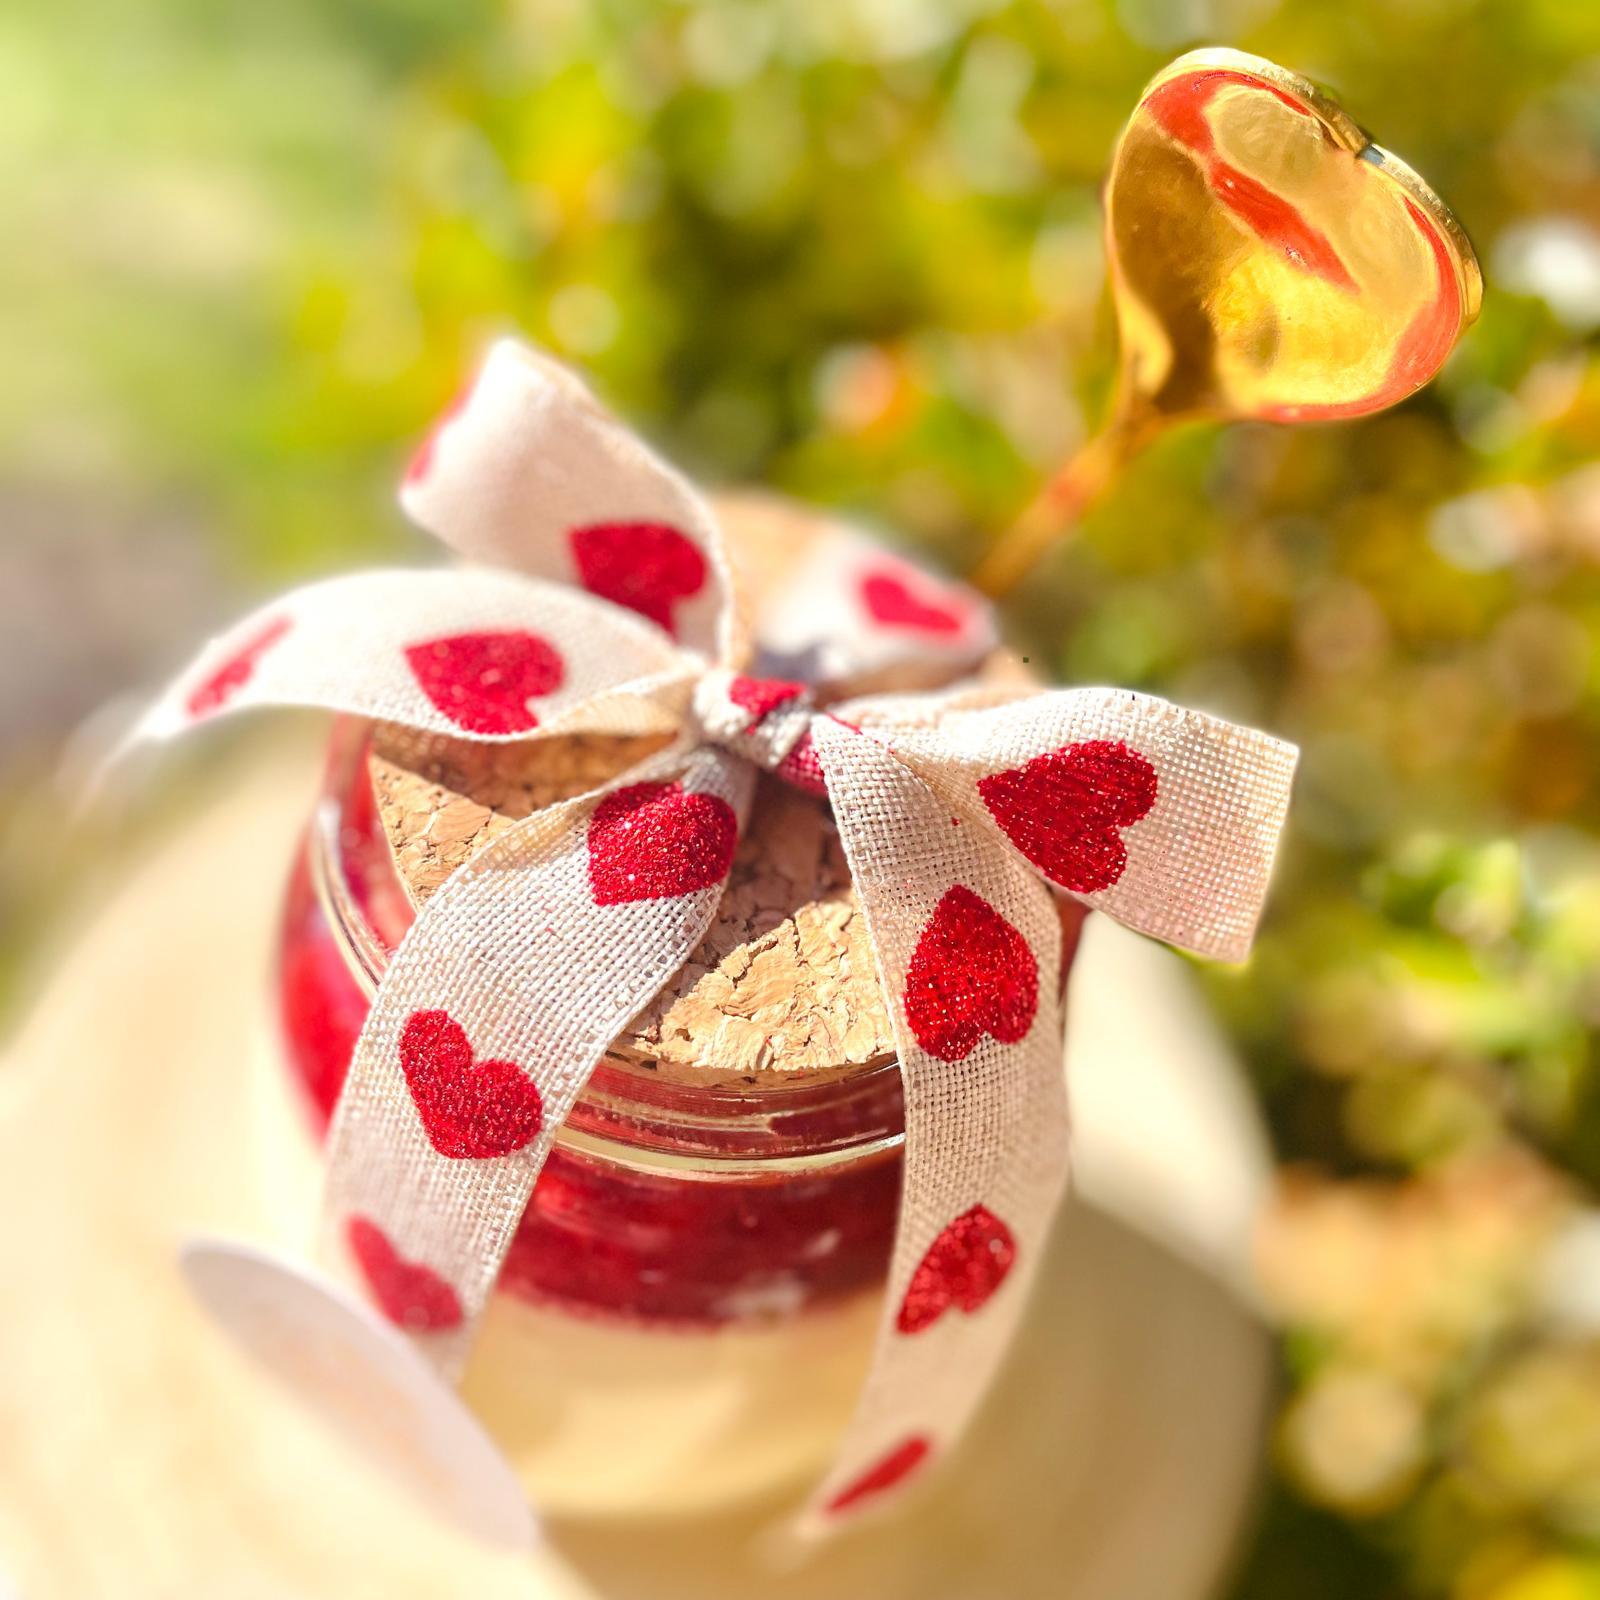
[[1053, 513]]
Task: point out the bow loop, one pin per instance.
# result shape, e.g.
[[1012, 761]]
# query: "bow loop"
[[1165, 819], [469, 653], [850, 614], [528, 471]]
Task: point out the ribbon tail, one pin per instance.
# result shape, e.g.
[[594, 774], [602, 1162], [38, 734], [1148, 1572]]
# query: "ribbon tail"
[[968, 946], [492, 1015]]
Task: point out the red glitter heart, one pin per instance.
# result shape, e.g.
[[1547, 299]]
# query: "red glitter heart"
[[1064, 809], [234, 673], [963, 1267], [409, 1294], [972, 973], [890, 600], [469, 1109], [421, 463], [653, 841], [483, 681], [762, 696], [893, 1469], [646, 566]]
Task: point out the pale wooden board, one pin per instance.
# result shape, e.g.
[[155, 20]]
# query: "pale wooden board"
[[139, 1458]]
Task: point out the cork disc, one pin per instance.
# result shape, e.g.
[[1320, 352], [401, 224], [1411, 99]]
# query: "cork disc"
[[784, 980]]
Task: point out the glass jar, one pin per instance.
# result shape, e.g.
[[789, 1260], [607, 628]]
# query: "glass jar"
[[700, 1267]]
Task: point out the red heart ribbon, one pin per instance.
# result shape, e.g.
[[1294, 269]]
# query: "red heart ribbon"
[[603, 601]]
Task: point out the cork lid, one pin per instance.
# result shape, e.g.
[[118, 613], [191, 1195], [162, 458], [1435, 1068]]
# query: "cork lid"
[[784, 981]]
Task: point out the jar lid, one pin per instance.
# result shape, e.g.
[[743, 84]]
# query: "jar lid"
[[784, 982]]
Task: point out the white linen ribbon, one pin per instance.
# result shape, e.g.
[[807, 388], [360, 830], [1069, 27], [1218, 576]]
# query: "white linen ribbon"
[[604, 601]]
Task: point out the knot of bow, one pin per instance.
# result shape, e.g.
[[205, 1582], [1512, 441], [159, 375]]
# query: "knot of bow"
[[598, 598]]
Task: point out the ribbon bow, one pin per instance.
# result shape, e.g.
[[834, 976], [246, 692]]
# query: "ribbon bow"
[[957, 810]]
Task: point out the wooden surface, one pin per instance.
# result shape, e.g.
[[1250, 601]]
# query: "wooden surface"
[[139, 1458]]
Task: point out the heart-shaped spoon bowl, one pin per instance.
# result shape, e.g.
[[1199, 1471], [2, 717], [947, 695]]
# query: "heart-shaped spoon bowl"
[[1268, 260]]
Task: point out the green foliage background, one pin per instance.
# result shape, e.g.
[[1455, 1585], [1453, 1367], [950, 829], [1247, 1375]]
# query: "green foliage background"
[[850, 248]]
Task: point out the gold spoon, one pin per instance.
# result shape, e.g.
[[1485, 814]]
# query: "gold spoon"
[[1268, 261]]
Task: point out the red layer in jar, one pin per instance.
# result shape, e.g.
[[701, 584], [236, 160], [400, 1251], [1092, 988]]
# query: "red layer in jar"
[[717, 1241]]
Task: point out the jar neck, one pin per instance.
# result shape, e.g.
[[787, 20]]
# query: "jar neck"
[[630, 1113]]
